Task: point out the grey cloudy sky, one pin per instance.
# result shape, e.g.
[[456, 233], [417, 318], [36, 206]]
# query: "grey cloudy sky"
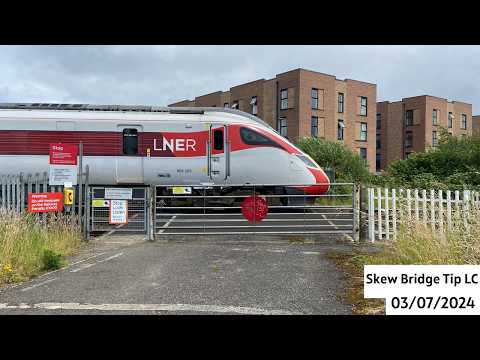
[[159, 75]]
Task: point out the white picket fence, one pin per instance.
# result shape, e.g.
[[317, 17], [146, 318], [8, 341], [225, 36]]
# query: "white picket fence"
[[388, 208]]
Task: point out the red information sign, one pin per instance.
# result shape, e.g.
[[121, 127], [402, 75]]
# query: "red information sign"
[[254, 208], [63, 154], [45, 202]]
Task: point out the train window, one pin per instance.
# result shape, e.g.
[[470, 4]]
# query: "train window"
[[251, 137], [218, 139], [306, 160], [130, 141]]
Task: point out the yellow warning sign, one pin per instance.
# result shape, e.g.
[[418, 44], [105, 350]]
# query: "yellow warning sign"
[[182, 190], [68, 196], [100, 203]]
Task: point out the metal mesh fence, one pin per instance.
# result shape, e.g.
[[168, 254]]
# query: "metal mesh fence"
[[136, 211]]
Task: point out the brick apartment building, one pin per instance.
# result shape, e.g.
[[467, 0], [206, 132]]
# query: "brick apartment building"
[[476, 125], [413, 125], [302, 103]]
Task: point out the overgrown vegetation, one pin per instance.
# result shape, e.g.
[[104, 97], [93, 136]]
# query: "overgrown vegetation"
[[348, 166], [29, 246], [415, 245], [453, 165]]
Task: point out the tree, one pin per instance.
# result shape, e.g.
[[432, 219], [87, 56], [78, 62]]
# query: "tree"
[[348, 166]]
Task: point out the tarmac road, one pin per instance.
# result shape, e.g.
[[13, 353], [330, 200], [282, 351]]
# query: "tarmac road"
[[201, 275]]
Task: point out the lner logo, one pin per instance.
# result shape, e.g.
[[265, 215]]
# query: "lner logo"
[[174, 145]]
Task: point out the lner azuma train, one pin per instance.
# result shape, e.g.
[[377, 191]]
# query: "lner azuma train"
[[146, 145]]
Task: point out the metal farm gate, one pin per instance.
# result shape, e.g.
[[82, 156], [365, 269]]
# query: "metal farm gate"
[[214, 210], [137, 214]]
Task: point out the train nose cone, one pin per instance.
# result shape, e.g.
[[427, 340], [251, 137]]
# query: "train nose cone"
[[322, 181]]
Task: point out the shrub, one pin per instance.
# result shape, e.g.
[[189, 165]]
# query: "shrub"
[[52, 260], [453, 165], [348, 166]]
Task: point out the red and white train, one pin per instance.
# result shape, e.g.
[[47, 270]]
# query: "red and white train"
[[157, 145]]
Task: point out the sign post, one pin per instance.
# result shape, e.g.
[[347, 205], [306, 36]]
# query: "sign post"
[[63, 163]]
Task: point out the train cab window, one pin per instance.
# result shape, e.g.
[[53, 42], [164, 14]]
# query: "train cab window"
[[130, 141], [218, 139], [251, 137]]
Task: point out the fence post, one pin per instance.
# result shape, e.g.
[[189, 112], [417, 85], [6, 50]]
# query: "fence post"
[[371, 215], [432, 208], [18, 192], [387, 216], [356, 212], [409, 204], [379, 207], [424, 207], [449, 210], [417, 210], [394, 213], [440, 210], [2, 184], [86, 230], [466, 208]]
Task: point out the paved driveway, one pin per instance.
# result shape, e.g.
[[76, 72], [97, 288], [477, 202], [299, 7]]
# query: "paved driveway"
[[260, 275]]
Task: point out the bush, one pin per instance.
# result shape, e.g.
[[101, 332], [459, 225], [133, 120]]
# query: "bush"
[[348, 166], [52, 260], [453, 165]]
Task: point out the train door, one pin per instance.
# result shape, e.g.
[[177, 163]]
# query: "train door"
[[218, 154], [129, 165]]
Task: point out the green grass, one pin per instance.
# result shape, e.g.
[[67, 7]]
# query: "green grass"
[[29, 246], [415, 245]]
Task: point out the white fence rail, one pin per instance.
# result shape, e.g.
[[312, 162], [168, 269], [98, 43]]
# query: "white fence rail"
[[388, 208]]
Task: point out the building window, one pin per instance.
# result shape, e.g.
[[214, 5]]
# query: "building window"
[[363, 153], [340, 102], [235, 105], [341, 127], [409, 118], [434, 138], [363, 131], [435, 117], [378, 163], [283, 99], [379, 141], [314, 98], [363, 106], [408, 139], [463, 125], [314, 126], [282, 126], [130, 141], [226, 105], [379, 121], [450, 120], [253, 102]]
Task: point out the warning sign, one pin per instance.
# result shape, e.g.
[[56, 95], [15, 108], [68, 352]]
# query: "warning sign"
[[63, 154], [60, 174], [68, 196], [254, 208], [118, 212], [100, 203], [45, 202], [182, 190]]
